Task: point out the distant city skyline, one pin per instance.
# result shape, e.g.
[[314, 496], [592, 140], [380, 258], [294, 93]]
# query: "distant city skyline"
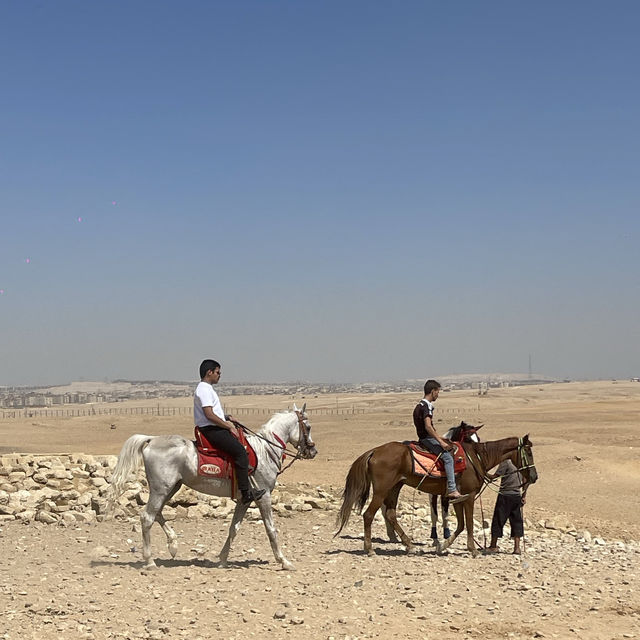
[[319, 191]]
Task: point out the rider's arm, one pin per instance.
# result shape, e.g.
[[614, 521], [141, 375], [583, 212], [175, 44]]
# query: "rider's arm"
[[428, 425], [218, 422]]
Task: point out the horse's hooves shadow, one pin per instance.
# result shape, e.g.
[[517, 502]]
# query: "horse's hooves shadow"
[[397, 552], [376, 540], [170, 563]]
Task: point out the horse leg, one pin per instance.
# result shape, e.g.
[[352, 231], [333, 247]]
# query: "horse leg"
[[368, 516], [264, 504], [147, 518], [389, 506], [444, 503], [468, 513], [459, 529], [391, 532], [172, 538], [238, 515], [433, 503]]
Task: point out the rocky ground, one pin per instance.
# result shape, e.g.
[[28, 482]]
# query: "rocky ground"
[[578, 577], [87, 581]]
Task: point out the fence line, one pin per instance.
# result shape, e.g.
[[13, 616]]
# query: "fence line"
[[188, 411]]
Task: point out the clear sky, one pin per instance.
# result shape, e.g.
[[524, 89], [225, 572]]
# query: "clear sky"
[[326, 191]]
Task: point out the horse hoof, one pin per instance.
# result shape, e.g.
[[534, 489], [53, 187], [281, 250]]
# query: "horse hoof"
[[370, 552], [288, 566], [173, 549], [150, 564], [411, 551]]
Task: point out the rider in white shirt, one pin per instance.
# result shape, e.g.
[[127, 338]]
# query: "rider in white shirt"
[[218, 429]]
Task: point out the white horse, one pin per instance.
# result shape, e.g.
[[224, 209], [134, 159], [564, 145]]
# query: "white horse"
[[171, 461]]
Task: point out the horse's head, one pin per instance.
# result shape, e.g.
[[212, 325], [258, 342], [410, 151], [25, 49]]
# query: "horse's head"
[[463, 433], [524, 460], [302, 440]]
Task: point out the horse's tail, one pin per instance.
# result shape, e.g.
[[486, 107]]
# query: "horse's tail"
[[356, 489], [129, 460]]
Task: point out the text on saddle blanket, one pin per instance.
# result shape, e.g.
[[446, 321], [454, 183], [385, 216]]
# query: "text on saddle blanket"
[[214, 463], [424, 462]]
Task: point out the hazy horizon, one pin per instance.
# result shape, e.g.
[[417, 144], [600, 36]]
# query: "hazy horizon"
[[319, 191]]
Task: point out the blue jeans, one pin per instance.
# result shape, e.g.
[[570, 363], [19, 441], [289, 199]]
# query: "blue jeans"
[[432, 445]]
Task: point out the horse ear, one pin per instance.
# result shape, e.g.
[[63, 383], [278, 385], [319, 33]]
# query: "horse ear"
[[304, 406], [295, 408], [526, 439], [480, 426]]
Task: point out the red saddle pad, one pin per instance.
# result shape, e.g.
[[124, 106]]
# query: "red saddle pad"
[[424, 462], [213, 462]]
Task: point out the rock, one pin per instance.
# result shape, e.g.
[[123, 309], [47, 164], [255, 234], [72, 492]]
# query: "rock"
[[279, 615], [46, 517]]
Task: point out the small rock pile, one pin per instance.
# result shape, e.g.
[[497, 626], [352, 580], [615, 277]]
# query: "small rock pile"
[[64, 488], [68, 488]]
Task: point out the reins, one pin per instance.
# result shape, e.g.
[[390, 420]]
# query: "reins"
[[294, 455]]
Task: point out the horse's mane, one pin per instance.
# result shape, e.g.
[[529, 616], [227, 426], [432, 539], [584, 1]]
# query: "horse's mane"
[[275, 420]]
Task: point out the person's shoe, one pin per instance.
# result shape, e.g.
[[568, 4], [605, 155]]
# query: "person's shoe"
[[456, 496], [252, 494]]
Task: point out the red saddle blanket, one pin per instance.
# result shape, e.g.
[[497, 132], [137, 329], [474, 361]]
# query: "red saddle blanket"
[[424, 462], [214, 463]]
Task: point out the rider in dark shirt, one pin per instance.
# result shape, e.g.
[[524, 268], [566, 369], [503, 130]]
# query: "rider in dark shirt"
[[430, 440]]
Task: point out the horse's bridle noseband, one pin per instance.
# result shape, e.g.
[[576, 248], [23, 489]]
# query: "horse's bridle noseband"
[[304, 440]]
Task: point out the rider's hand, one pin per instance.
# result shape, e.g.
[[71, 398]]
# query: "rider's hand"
[[233, 429], [447, 446]]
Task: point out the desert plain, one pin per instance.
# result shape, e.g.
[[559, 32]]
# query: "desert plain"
[[578, 576]]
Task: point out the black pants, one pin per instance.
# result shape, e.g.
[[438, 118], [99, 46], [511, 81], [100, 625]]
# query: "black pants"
[[229, 443], [508, 507]]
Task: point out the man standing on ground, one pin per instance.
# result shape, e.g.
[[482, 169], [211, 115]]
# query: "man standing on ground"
[[209, 417], [430, 440], [508, 506]]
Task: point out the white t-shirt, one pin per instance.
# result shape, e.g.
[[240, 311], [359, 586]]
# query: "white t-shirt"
[[205, 396]]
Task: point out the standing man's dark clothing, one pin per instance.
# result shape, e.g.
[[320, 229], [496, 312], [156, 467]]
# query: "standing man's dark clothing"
[[509, 502]]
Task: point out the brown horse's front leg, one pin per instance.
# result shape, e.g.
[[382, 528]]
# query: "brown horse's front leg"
[[441, 548], [468, 514]]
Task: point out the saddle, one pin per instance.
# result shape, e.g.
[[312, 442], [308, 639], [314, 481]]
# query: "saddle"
[[424, 462], [215, 463]]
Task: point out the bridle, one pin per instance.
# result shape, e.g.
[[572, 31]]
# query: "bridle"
[[304, 442], [522, 459]]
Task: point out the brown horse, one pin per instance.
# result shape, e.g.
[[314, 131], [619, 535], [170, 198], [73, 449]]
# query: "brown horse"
[[389, 467]]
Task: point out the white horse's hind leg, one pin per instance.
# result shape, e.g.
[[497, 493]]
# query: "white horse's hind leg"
[[172, 538], [264, 504], [147, 518], [159, 493], [238, 515]]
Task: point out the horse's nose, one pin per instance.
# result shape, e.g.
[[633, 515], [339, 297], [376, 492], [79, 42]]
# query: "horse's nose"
[[312, 452]]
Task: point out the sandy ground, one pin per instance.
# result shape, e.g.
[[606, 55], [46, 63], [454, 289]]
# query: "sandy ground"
[[86, 582]]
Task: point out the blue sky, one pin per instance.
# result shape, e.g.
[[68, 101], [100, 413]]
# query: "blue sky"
[[325, 191]]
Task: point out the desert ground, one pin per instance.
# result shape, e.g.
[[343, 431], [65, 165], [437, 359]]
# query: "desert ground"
[[578, 577]]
